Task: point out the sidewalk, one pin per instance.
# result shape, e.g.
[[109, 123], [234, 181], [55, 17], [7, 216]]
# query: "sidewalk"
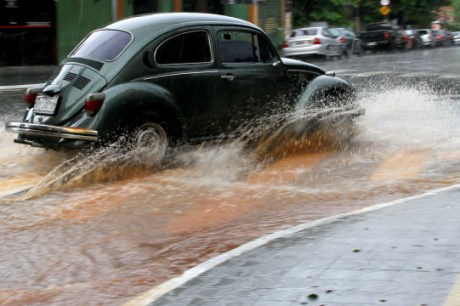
[[405, 252]]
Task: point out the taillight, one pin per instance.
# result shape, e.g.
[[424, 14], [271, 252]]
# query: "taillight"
[[316, 41], [285, 44], [342, 40], [387, 35], [94, 103], [30, 96]]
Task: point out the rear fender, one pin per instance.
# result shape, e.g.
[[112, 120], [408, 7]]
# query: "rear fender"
[[326, 91], [124, 103]]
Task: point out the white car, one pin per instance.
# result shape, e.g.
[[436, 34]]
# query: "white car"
[[456, 38], [311, 41], [427, 37]]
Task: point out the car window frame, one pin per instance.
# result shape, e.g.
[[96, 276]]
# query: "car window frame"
[[154, 61], [266, 40]]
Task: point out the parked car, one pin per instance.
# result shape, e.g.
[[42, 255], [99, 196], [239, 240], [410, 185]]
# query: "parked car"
[[316, 41], [383, 36], [456, 38], [413, 39], [443, 38], [426, 37], [349, 43], [163, 79]]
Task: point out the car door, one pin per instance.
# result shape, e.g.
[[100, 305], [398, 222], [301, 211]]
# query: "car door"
[[184, 63], [251, 75]]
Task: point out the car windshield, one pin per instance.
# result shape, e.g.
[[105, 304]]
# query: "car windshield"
[[104, 45]]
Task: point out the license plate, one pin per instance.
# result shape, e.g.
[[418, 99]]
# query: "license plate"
[[45, 104], [372, 44], [302, 43]]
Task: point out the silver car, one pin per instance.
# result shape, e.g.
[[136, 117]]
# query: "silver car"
[[456, 38], [427, 37], [311, 41]]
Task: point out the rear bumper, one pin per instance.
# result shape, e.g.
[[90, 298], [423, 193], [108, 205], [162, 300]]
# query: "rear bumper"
[[52, 137], [44, 130]]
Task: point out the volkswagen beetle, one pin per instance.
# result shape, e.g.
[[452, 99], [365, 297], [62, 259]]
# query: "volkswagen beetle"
[[169, 78]]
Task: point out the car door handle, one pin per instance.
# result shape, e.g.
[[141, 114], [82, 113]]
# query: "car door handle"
[[228, 77]]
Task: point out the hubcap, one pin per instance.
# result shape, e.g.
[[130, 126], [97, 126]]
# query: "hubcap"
[[151, 139]]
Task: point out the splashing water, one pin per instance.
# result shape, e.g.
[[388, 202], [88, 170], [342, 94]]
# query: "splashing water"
[[410, 117]]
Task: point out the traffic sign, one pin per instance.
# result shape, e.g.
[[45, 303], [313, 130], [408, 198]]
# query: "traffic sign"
[[385, 10], [384, 2]]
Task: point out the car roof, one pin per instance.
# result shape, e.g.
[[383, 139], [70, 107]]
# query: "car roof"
[[158, 21], [308, 28], [146, 27]]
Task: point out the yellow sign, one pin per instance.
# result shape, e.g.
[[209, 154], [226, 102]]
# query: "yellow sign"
[[385, 10]]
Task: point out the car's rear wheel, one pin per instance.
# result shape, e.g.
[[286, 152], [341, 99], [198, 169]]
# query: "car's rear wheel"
[[150, 139]]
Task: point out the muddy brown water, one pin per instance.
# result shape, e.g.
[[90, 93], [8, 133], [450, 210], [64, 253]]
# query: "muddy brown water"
[[99, 229]]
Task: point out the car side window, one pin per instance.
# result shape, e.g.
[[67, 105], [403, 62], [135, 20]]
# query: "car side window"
[[243, 47], [186, 48]]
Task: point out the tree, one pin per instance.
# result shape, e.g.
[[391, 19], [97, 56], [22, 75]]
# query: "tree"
[[456, 14], [417, 13]]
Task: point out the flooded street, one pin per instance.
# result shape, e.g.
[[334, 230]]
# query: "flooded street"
[[98, 228]]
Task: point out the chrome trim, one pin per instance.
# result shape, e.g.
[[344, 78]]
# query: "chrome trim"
[[165, 75], [51, 131]]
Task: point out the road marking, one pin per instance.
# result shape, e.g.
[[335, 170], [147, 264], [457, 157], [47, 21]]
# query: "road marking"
[[162, 289], [453, 299]]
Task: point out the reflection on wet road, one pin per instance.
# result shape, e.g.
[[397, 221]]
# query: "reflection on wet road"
[[97, 228]]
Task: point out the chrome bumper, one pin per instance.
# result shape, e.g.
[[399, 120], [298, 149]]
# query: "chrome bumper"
[[51, 131]]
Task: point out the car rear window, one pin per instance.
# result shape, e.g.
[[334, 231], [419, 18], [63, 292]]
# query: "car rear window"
[[304, 32], [335, 32], [103, 45]]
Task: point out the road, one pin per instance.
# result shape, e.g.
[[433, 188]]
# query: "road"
[[100, 230]]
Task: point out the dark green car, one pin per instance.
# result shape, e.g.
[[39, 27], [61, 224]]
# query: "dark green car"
[[172, 78]]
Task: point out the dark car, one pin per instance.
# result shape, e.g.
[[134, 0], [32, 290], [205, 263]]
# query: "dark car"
[[168, 78], [382, 35], [349, 42]]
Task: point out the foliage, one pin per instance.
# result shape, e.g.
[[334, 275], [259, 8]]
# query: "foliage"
[[456, 15], [416, 13]]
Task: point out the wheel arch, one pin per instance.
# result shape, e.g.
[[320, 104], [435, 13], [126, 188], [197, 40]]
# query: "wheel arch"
[[125, 103], [320, 90]]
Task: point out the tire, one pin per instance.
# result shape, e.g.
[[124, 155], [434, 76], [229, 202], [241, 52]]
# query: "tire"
[[150, 139]]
